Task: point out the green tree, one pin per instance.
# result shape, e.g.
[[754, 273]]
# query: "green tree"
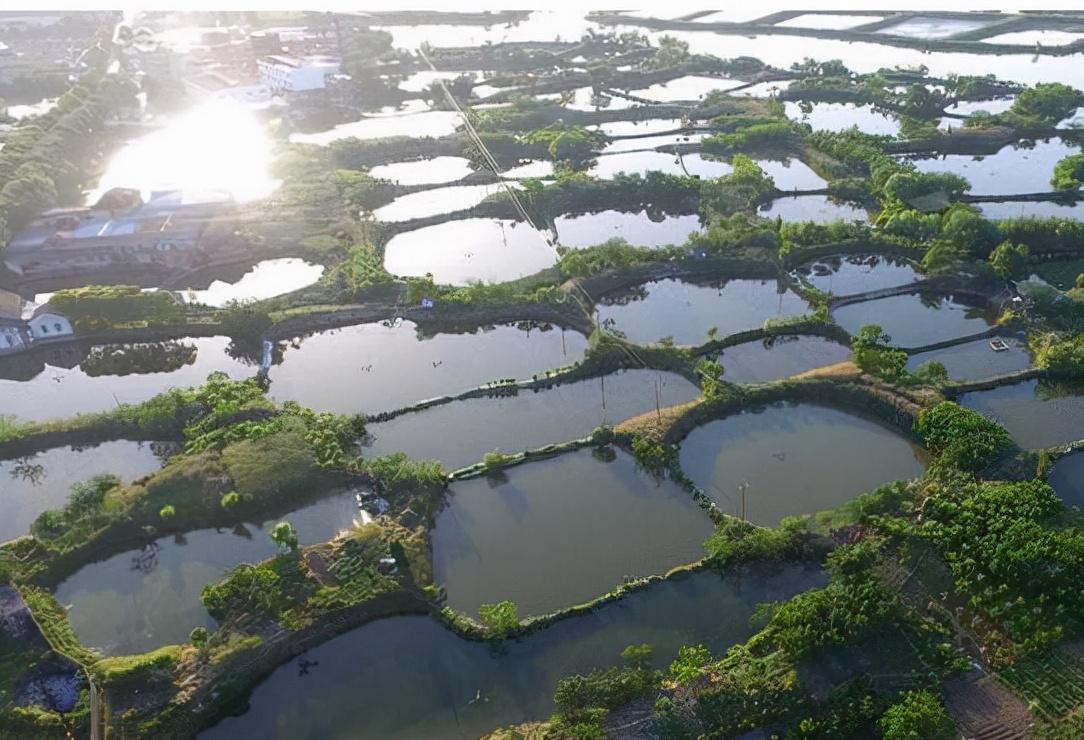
[[918, 716], [284, 535], [873, 353], [198, 637], [243, 320], [499, 619], [167, 512], [1009, 260], [960, 436]]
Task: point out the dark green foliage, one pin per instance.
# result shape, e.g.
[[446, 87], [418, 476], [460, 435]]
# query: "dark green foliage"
[[499, 619], [653, 456], [1068, 172], [103, 306], [872, 352], [926, 190], [1009, 260], [242, 320], [917, 716], [567, 142], [742, 190], [735, 541], [1060, 353], [1045, 103], [583, 700], [961, 437]]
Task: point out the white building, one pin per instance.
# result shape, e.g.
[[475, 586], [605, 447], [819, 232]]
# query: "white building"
[[44, 323], [12, 329], [293, 74]]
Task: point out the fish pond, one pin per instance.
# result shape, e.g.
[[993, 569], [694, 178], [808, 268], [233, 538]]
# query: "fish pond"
[[1067, 479], [429, 683], [433, 171], [642, 229], [850, 274], [527, 420], [369, 368], [1015, 169], [36, 483], [779, 357], [497, 537], [976, 360], [916, 319], [685, 311], [816, 208], [266, 279], [1037, 414], [142, 599], [788, 457]]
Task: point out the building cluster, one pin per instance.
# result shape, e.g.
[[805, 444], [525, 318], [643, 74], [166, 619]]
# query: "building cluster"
[[24, 323], [121, 231]]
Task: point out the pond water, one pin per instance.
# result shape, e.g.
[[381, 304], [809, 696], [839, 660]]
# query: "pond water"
[[1012, 170], [975, 360], [469, 250], [764, 89], [864, 57], [916, 319], [18, 112], [816, 208], [789, 174], [1043, 37], [61, 387], [646, 126], [1036, 414], [495, 539], [35, 483], [779, 357], [217, 147], [841, 116], [608, 165], [433, 171], [420, 81], [1067, 479], [686, 310], [371, 367], [932, 27], [425, 679], [848, 274], [416, 125], [540, 168], [653, 142], [527, 420], [790, 457], [707, 166], [265, 279], [586, 99], [433, 202], [140, 600], [538, 26], [793, 174], [1038, 209], [690, 87], [829, 22], [642, 229]]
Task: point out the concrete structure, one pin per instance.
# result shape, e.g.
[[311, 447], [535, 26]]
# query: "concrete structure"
[[165, 231], [12, 328], [44, 323], [294, 74], [23, 323]]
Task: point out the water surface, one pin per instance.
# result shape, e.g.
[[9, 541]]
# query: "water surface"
[[416, 125], [975, 360], [265, 279], [916, 319], [816, 208], [372, 367], [527, 420], [1067, 479], [436, 201], [138, 601], [36, 483], [932, 27], [829, 22], [686, 311], [690, 87], [779, 357], [641, 229], [558, 532], [842, 116], [790, 457], [469, 250], [425, 679], [849, 274], [61, 387], [433, 171], [1037, 414], [1012, 170]]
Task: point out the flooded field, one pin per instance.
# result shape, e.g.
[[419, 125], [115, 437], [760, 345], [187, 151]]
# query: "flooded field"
[[789, 458], [817, 208], [372, 367], [42, 481], [436, 201], [931, 28], [556, 414], [1013, 170], [473, 249], [266, 279], [779, 357], [68, 381], [1037, 414], [829, 21], [842, 116], [433, 171], [445, 673], [916, 319], [691, 87], [685, 311], [1038, 209], [415, 125], [642, 229], [976, 360], [143, 599], [612, 520], [851, 274]]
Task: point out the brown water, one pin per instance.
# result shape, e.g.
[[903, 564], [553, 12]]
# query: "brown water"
[[558, 532], [779, 357], [796, 459]]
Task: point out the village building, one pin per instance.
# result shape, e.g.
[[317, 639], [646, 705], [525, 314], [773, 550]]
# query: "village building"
[[284, 73], [12, 327]]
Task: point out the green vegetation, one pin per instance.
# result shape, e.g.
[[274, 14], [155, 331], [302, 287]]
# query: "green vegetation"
[[499, 619], [583, 701], [1069, 173], [105, 306], [918, 716], [1009, 260], [742, 190], [961, 437], [872, 352]]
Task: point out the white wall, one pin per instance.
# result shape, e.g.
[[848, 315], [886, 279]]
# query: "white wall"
[[45, 326]]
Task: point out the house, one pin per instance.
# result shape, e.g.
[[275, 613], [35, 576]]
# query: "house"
[[284, 73], [12, 328], [43, 322]]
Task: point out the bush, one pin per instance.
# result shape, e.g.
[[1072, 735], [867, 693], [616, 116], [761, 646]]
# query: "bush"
[[167, 512], [961, 437], [872, 353], [499, 619], [742, 190], [103, 306], [918, 716], [1069, 173], [1009, 260]]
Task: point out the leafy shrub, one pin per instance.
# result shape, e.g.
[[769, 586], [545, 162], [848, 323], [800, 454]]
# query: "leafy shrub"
[[872, 353], [918, 716], [1069, 173], [961, 437], [1009, 260], [499, 619]]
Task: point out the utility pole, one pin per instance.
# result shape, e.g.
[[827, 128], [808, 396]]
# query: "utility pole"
[[741, 489], [658, 407]]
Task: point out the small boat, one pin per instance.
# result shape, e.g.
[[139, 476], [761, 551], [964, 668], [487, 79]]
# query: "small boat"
[[998, 345]]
